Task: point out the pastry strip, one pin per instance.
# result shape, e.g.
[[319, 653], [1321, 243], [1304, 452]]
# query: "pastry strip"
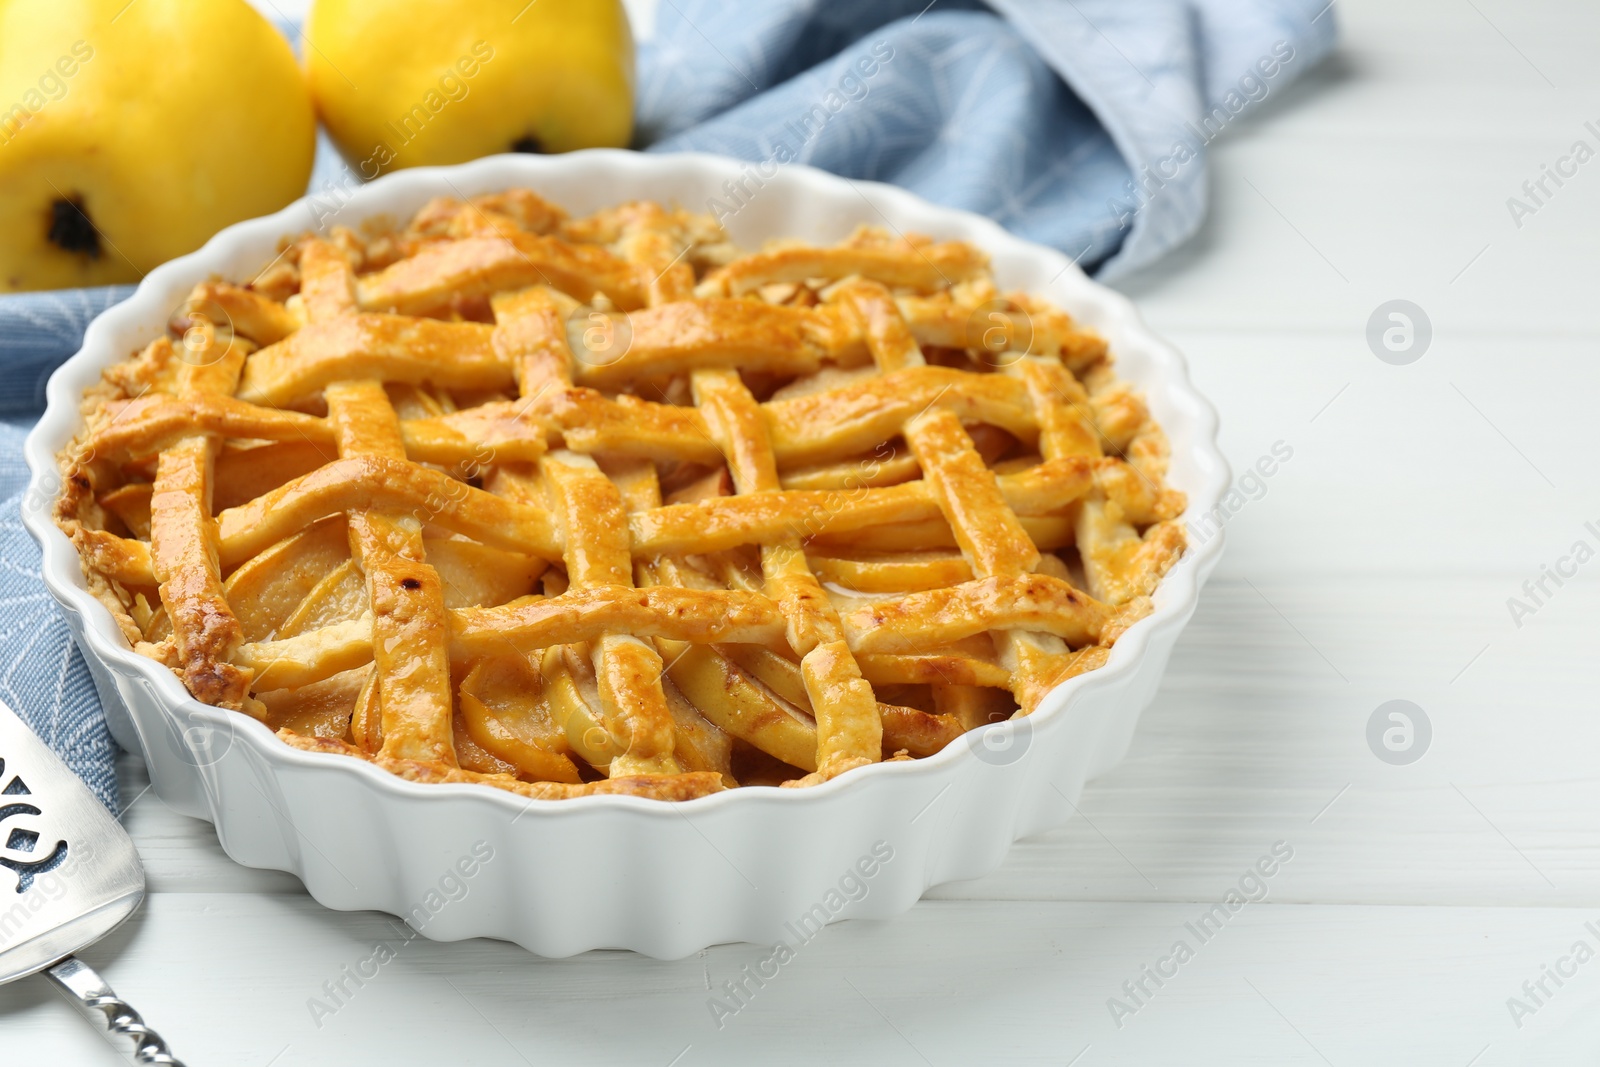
[[849, 731], [183, 535]]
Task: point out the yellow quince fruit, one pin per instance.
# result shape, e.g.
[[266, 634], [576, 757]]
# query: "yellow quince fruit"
[[405, 83], [132, 132]]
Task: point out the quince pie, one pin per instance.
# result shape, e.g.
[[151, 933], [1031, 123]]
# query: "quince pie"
[[570, 506]]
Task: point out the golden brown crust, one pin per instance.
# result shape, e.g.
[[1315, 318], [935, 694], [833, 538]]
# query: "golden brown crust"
[[183, 535], [573, 507]]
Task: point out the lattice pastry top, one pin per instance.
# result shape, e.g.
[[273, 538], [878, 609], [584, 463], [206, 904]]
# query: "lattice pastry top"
[[599, 505]]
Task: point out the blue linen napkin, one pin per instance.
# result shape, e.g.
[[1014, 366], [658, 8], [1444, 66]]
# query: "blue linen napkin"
[[1080, 124], [42, 674]]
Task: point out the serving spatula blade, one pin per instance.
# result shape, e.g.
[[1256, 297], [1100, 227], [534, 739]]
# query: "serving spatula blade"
[[69, 875]]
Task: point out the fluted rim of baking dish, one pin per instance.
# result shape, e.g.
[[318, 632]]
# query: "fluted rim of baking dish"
[[1169, 389]]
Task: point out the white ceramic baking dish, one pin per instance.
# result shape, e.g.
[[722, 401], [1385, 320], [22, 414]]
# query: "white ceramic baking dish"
[[752, 864]]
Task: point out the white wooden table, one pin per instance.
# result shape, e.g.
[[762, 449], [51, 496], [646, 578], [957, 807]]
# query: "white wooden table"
[[1376, 566]]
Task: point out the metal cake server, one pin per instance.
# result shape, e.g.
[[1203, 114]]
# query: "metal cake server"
[[69, 875]]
